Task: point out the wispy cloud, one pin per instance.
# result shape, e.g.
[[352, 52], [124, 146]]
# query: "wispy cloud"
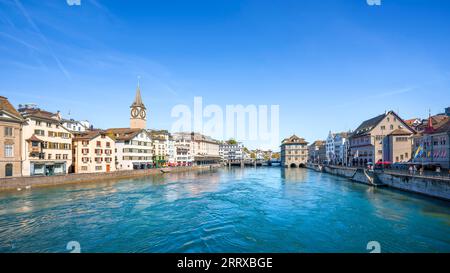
[[44, 39]]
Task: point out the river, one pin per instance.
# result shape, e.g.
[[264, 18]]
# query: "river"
[[264, 209]]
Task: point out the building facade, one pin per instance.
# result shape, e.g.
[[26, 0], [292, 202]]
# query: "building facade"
[[366, 142], [398, 146], [184, 149], [47, 145], [317, 152], [10, 140], [160, 144], [133, 148], [329, 146], [432, 146], [202, 150], [294, 152], [231, 151], [76, 126], [340, 152], [93, 152]]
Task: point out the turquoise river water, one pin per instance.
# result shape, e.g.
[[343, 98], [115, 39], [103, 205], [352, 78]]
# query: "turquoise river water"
[[265, 209]]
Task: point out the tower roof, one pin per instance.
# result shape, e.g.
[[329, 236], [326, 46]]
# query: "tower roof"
[[138, 99]]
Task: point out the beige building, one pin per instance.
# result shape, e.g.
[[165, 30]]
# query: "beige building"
[[294, 152], [10, 140], [197, 148], [47, 145], [93, 152], [366, 142], [138, 119], [398, 146], [206, 149]]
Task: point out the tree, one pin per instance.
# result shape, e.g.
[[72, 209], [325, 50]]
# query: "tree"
[[232, 141]]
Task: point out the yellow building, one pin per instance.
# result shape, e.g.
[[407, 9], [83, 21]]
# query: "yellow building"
[[294, 152], [47, 145], [93, 152]]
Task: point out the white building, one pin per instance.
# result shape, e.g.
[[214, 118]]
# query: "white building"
[[329, 147], [183, 149], [233, 151], [133, 148], [76, 126], [47, 145], [171, 151], [340, 150]]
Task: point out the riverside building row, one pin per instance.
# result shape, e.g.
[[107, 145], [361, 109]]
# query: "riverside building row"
[[35, 142], [386, 138]]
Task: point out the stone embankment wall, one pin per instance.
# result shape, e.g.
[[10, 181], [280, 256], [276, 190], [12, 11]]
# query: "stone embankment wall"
[[432, 186], [41, 181]]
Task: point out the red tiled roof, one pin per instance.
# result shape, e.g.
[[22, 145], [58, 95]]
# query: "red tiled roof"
[[6, 106], [124, 133], [88, 135], [34, 138], [400, 132]]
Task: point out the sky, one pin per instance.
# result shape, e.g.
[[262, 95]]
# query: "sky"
[[328, 64]]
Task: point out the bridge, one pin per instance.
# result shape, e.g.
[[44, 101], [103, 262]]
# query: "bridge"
[[252, 162]]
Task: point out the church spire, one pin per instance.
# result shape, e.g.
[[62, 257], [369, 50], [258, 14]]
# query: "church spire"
[[138, 98]]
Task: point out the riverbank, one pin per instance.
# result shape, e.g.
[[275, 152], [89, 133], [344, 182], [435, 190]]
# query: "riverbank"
[[438, 187], [22, 183]]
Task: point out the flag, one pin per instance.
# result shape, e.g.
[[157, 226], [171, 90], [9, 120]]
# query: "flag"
[[419, 152]]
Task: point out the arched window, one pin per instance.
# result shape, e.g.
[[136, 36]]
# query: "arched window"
[[8, 170]]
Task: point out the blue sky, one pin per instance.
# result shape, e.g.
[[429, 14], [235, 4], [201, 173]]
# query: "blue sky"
[[329, 64]]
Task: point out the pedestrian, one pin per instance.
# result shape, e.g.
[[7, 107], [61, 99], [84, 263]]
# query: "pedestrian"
[[410, 169], [414, 170], [438, 170], [421, 171]]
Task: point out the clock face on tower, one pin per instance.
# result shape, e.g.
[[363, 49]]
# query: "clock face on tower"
[[134, 112], [143, 114]]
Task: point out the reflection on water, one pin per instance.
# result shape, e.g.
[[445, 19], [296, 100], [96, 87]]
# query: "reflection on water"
[[228, 210]]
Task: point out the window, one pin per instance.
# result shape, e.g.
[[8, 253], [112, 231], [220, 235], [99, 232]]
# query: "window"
[[38, 123], [65, 156], [9, 150], [383, 127], [392, 127], [58, 156], [98, 168], [49, 156], [8, 132], [8, 170], [49, 125], [39, 132], [99, 144]]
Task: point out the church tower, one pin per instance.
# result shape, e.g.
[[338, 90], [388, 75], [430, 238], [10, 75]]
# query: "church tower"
[[138, 112]]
